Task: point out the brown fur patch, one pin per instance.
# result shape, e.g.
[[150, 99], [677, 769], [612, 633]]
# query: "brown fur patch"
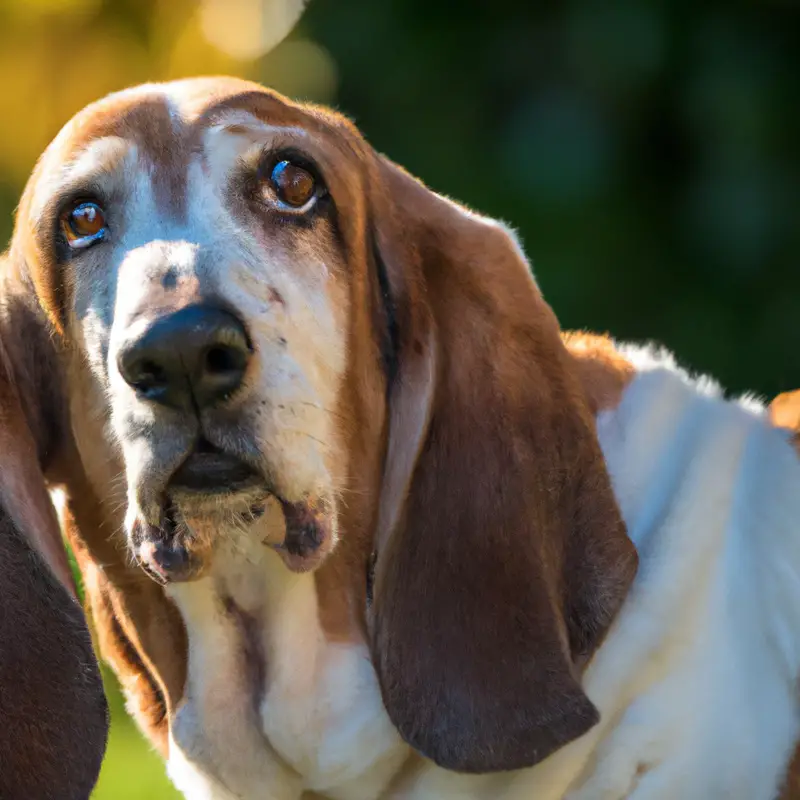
[[22, 487], [148, 123], [604, 373], [139, 631], [791, 785]]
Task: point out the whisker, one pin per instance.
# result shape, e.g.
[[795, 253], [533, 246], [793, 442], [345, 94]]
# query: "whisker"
[[322, 408], [297, 431]]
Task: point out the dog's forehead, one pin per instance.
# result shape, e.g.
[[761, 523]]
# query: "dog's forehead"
[[168, 120], [167, 125]]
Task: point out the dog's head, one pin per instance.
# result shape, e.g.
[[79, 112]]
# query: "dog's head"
[[294, 339], [187, 241]]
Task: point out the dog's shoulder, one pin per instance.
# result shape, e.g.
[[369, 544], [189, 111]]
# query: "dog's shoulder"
[[708, 487]]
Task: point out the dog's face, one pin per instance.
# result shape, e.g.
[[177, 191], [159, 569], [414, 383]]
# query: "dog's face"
[[204, 281]]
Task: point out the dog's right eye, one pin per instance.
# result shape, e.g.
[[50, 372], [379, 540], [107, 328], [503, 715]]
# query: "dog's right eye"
[[289, 182], [83, 224], [294, 186]]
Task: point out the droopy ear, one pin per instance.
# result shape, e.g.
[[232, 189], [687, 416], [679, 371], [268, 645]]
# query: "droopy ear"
[[30, 418], [502, 558], [34, 406], [50, 686]]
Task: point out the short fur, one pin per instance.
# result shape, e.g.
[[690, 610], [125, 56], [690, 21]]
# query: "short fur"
[[472, 623]]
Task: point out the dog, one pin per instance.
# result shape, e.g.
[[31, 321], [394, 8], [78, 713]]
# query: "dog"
[[355, 519], [50, 685]]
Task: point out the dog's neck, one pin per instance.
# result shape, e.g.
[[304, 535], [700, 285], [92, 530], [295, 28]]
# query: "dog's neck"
[[273, 698]]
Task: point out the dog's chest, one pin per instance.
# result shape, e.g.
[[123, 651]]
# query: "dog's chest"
[[272, 707]]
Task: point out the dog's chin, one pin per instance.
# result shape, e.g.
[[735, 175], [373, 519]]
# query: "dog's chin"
[[212, 498]]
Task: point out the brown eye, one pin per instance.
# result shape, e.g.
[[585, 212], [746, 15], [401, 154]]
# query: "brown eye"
[[293, 185], [83, 225]]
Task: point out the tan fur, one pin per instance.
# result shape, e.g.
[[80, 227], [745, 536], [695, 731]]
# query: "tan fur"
[[138, 630], [784, 412], [602, 370]]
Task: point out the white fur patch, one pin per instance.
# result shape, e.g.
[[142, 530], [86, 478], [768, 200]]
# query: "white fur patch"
[[320, 724]]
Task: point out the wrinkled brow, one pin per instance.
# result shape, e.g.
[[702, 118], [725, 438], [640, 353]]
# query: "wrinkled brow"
[[159, 135], [238, 123]]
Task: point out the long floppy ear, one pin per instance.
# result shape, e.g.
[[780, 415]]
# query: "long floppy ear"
[[502, 558], [32, 415], [52, 706]]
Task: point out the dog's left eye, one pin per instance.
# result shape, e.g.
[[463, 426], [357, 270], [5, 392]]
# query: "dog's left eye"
[[83, 224], [293, 185]]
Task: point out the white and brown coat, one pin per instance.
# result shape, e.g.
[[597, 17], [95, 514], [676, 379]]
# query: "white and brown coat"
[[457, 613]]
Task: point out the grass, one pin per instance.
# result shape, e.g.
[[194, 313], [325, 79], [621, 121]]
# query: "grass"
[[131, 769]]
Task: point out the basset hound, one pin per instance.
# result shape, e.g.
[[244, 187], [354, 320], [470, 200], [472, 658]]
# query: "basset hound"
[[355, 519], [53, 713]]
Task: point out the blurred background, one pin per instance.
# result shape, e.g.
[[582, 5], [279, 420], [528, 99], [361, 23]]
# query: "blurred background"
[[648, 151]]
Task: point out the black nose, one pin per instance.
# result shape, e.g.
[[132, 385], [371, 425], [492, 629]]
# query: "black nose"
[[193, 358]]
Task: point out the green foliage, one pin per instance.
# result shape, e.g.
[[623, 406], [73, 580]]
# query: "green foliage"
[[132, 770], [647, 152]]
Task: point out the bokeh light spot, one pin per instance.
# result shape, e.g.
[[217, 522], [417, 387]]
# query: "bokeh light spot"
[[248, 29]]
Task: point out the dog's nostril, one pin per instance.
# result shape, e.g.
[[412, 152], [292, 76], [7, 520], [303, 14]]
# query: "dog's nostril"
[[150, 374], [222, 359], [147, 377], [204, 446]]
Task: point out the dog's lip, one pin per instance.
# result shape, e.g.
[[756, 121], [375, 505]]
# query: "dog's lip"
[[210, 471]]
